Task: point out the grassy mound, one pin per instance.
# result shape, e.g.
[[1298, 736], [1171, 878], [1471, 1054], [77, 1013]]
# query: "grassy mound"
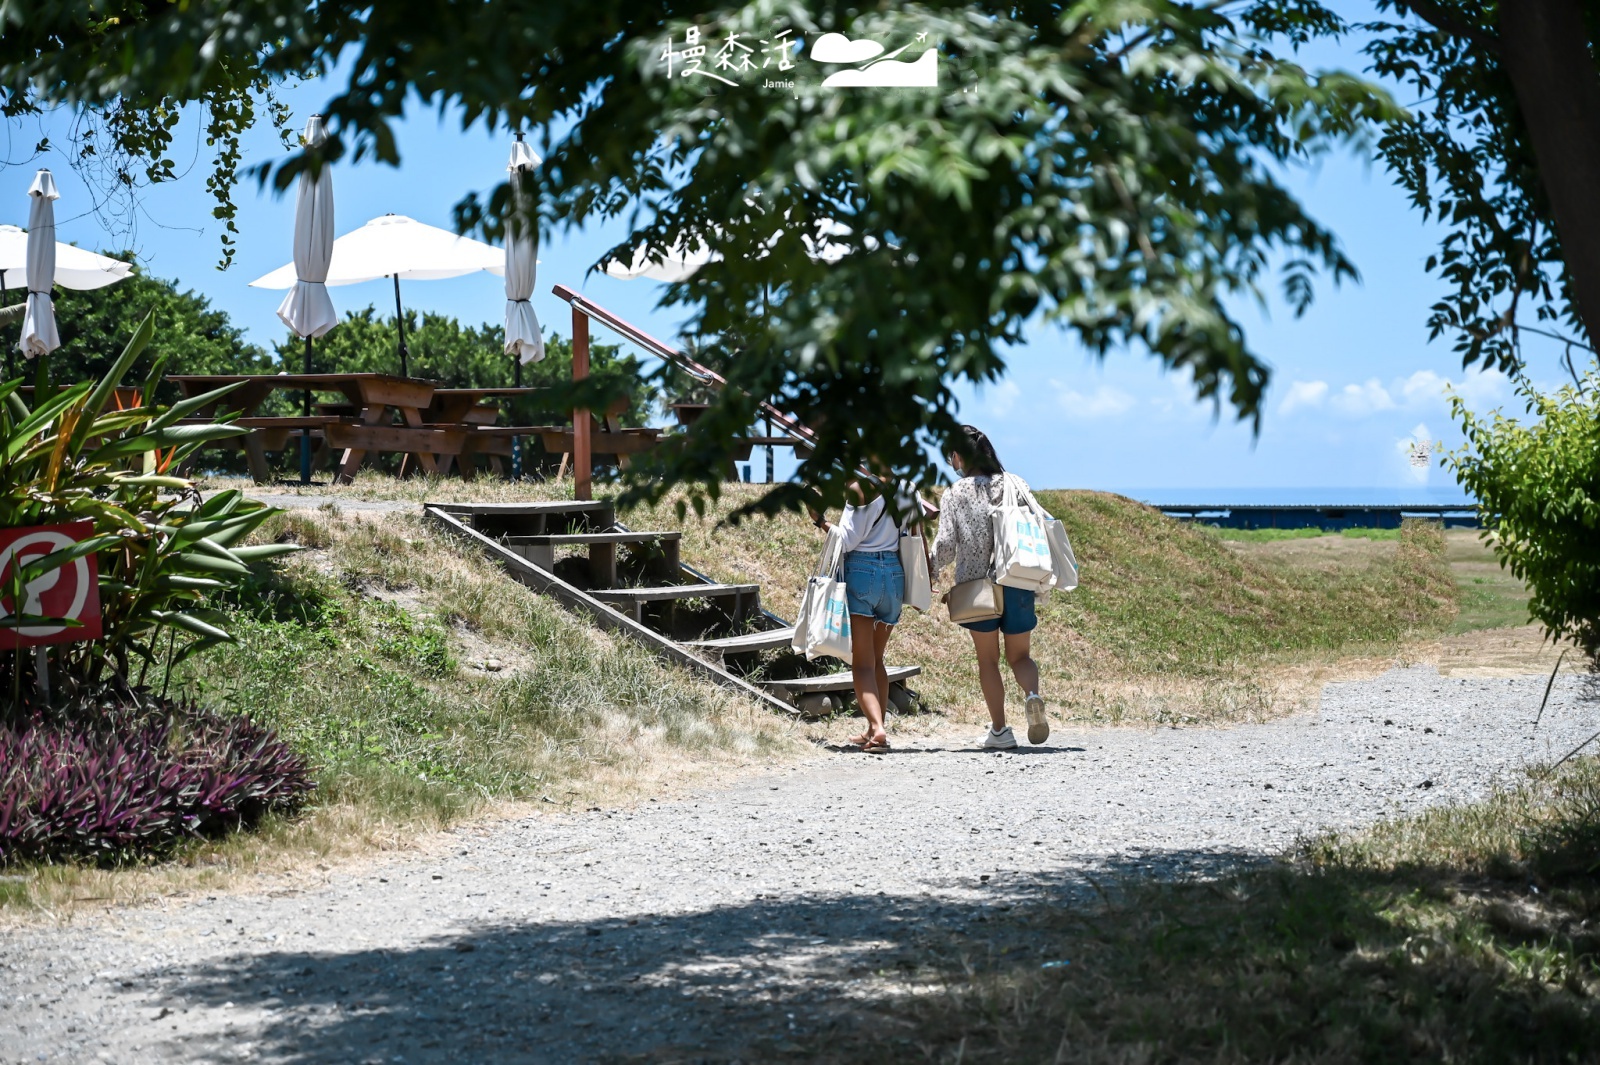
[[1170, 623]]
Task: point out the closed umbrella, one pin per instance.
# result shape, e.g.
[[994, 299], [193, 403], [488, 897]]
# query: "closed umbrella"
[[39, 336], [308, 309], [524, 339], [400, 248]]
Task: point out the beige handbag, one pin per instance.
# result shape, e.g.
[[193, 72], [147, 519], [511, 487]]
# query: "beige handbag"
[[978, 600]]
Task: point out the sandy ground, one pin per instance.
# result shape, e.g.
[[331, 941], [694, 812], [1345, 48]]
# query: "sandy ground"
[[743, 922]]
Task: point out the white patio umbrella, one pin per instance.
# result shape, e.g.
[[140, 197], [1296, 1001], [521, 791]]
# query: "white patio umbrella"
[[401, 248], [524, 339], [75, 268], [39, 336]]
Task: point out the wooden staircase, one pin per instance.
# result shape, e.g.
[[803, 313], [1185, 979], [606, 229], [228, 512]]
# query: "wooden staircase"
[[633, 582]]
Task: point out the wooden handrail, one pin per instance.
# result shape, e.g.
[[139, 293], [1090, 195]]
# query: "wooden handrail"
[[585, 309]]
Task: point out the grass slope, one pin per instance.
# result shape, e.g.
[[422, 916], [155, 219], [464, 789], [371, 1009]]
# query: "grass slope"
[[367, 652]]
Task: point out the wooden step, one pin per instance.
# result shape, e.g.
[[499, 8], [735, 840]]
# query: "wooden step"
[[541, 551], [501, 519], [556, 539], [744, 644], [834, 682], [746, 597]]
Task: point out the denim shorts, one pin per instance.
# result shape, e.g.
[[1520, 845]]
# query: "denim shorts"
[[875, 585], [1016, 614]]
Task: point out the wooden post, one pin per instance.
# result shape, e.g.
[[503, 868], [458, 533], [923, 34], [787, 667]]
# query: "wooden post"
[[582, 461]]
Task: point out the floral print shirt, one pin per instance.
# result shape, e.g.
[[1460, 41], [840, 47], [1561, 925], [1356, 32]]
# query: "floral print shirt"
[[966, 535]]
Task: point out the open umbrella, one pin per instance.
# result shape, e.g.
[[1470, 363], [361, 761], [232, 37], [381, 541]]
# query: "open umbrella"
[[75, 268], [401, 248], [308, 309], [39, 336]]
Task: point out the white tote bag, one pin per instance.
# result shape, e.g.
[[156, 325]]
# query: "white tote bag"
[[1021, 547], [823, 626], [1062, 560], [914, 561]]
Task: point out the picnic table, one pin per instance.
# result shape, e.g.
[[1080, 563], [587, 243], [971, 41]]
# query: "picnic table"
[[377, 412]]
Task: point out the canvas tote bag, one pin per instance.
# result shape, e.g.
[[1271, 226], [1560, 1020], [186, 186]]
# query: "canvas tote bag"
[[1021, 547], [823, 626], [1064, 562], [914, 561]]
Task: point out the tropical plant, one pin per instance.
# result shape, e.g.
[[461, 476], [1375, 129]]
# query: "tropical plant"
[[124, 776], [87, 452], [1537, 483]]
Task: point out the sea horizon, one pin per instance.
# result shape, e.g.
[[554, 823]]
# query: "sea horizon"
[[1347, 496]]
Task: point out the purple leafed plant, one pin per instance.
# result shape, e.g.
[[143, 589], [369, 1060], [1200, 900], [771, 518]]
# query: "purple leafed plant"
[[125, 782]]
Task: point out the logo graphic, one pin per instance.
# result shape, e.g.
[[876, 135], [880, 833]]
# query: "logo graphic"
[[70, 592], [880, 71]]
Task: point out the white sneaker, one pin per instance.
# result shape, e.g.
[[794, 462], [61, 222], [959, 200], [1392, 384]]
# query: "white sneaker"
[[1038, 723], [1004, 740]]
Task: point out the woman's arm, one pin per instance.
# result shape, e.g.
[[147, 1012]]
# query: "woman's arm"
[[944, 545]]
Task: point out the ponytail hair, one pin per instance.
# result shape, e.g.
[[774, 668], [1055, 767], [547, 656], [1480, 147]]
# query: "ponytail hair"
[[982, 461]]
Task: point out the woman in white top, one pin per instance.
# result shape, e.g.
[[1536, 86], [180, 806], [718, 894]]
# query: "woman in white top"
[[875, 590], [967, 538]]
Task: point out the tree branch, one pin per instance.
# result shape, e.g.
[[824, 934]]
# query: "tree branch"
[[1436, 16]]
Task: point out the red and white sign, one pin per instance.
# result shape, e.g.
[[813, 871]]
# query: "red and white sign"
[[71, 591]]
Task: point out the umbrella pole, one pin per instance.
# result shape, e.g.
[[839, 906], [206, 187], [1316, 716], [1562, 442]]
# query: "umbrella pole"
[[2, 304], [400, 326], [305, 432], [516, 441]]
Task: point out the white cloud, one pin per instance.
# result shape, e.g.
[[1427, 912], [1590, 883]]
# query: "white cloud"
[[1421, 387], [1002, 398], [1483, 389], [1103, 402], [1304, 394], [1357, 401]]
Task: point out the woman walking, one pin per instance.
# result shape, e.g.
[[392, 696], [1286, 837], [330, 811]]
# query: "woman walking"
[[967, 538], [875, 590]]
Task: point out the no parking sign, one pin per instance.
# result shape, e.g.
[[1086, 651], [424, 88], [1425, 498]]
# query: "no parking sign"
[[66, 592]]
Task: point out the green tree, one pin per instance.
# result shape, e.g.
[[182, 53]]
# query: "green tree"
[[1538, 485], [1503, 147], [191, 336], [1109, 166], [442, 349]]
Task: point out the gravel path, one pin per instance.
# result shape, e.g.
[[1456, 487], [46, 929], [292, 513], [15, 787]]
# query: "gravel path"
[[748, 916]]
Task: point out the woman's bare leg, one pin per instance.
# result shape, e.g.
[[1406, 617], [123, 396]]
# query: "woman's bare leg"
[[1023, 666], [989, 679], [880, 643], [865, 666]]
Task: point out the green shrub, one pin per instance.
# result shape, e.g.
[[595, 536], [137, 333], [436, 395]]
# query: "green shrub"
[[1538, 489]]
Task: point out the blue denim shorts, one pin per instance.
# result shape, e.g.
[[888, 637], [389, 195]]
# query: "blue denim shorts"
[[1016, 614], [875, 585]]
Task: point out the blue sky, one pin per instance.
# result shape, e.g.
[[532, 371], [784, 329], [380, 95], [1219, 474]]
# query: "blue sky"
[[1354, 380]]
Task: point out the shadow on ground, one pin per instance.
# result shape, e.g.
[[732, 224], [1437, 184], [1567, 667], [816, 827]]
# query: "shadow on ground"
[[1238, 961], [762, 979]]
